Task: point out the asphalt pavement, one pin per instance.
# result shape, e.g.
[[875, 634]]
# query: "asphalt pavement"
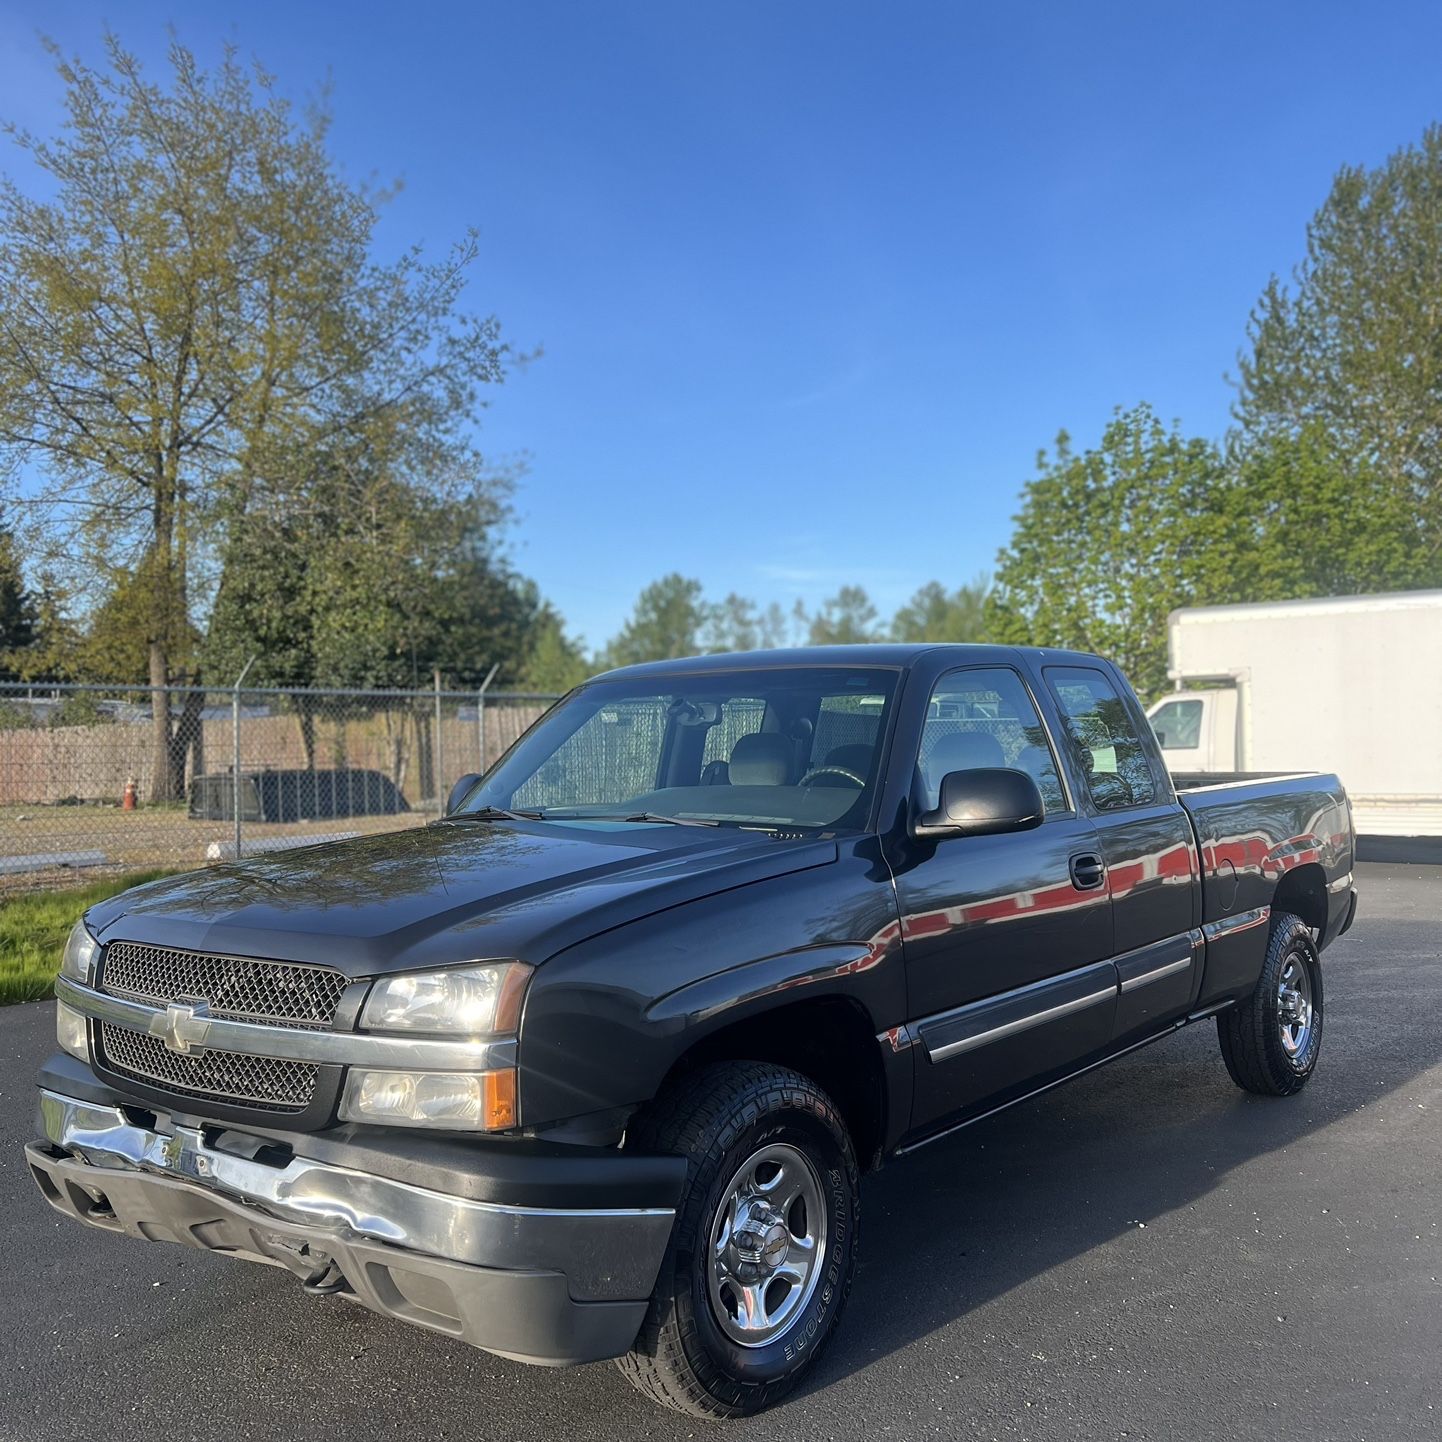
[[1145, 1253]]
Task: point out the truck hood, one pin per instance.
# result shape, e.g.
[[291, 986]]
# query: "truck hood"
[[448, 892]]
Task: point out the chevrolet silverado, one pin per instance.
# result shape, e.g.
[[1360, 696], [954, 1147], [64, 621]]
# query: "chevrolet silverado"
[[591, 1066]]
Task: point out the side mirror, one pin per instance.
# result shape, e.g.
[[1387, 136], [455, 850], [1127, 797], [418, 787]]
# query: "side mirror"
[[458, 791], [985, 801]]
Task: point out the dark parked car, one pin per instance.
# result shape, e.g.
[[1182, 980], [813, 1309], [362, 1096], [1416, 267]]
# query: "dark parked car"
[[326, 794], [591, 1067]]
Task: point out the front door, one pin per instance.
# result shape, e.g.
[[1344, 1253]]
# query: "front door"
[[1007, 938]]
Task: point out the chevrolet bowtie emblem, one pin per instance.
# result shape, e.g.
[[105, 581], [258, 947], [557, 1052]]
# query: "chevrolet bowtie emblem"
[[181, 1025]]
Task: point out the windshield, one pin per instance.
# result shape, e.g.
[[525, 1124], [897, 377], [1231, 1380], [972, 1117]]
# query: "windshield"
[[777, 747]]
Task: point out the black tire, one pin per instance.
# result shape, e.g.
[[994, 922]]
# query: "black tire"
[[720, 1117], [1258, 1052]]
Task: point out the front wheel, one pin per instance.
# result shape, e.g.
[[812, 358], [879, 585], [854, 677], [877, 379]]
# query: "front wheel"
[[1271, 1041], [764, 1247]]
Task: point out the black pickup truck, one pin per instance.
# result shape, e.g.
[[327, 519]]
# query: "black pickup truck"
[[591, 1067]]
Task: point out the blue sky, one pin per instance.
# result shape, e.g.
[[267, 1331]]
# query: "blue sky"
[[814, 282]]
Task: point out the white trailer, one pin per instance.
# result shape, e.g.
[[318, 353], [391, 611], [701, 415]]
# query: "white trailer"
[[1350, 684]]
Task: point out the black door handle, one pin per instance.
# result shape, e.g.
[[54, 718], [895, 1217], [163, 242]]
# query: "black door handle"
[[1088, 871]]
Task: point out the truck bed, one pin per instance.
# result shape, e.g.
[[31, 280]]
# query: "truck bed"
[[1388, 828], [1254, 831]]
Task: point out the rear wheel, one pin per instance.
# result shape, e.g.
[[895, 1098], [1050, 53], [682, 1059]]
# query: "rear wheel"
[[1271, 1041], [762, 1254]]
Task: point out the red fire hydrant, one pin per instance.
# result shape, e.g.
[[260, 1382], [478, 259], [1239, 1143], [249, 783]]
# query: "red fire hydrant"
[[127, 797]]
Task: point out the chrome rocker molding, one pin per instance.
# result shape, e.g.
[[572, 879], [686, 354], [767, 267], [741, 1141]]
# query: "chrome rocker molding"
[[603, 1253], [1025, 1023], [965, 1028], [1229, 926], [1171, 968], [1159, 959], [188, 1028], [980, 1023]]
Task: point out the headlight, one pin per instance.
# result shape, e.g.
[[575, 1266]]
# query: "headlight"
[[471, 1101], [483, 998], [70, 1031], [80, 949]]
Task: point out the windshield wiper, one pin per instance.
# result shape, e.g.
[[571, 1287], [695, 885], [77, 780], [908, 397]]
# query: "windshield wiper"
[[634, 816], [673, 820], [495, 813]]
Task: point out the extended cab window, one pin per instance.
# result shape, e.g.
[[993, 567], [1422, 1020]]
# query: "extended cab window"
[[1178, 725], [984, 717], [1108, 750]]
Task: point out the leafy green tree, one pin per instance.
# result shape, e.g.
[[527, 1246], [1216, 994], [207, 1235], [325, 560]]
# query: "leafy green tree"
[[936, 614], [554, 662], [38, 641], [668, 621], [189, 302], [1298, 520], [848, 618], [379, 586], [115, 645], [1352, 349], [738, 624], [1108, 541], [18, 619]]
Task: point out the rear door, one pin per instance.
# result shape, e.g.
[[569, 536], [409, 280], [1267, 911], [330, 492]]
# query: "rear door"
[[1146, 841], [1007, 937]]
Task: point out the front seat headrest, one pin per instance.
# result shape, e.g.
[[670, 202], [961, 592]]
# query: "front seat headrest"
[[964, 751], [761, 759], [958, 751]]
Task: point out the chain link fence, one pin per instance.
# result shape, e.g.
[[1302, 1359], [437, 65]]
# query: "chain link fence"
[[101, 779]]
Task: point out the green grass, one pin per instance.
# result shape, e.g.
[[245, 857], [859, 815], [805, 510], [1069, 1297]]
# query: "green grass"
[[33, 928]]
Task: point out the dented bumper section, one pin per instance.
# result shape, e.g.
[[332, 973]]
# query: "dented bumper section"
[[550, 1285]]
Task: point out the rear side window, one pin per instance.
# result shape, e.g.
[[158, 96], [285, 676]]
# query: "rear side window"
[[1178, 725], [1104, 740]]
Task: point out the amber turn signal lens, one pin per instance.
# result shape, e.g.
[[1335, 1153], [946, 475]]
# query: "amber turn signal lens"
[[500, 1100]]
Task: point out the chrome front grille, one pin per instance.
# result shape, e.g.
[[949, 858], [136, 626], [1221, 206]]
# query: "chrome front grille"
[[254, 1081], [276, 993], [271, 993]]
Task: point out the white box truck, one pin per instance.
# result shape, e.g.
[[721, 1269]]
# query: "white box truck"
[[1351, 684]]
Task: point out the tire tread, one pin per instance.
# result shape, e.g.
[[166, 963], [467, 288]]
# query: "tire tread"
[[1246, 1032], [699, 1117]]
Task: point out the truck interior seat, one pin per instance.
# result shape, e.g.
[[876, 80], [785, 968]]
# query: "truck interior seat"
[[716, 773], [958, 751], [761, 759]]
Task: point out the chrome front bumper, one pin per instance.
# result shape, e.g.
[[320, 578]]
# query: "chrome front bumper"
[[538, 1284]]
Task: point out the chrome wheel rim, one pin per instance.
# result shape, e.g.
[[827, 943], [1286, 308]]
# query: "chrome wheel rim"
[[767, 1245], [1296, 1015]]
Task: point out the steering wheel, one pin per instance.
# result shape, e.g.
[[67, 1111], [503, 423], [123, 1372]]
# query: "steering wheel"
[[857, 781]]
